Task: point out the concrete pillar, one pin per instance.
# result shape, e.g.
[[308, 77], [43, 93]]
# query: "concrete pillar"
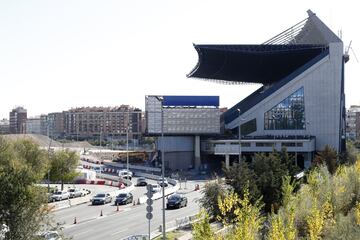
[[227, 161], [197, 153]]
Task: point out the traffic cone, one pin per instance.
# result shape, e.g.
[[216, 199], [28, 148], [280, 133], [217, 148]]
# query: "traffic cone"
[[101, 214], [75, 220]]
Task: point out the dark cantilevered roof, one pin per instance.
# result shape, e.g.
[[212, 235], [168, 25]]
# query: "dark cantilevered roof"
[[265, 64]]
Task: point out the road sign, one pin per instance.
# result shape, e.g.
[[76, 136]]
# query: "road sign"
[[149, 216], [149, 194], [149, 201], [149, 209]]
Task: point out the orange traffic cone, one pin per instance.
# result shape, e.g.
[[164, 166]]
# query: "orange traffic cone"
[[75, 220], [101, 214]]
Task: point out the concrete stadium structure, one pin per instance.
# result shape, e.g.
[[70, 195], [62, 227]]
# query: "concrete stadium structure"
[[301, 104]]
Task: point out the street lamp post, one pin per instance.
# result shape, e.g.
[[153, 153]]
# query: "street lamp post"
[[161, 99], [127, 142], [239, 111], [163, 167]]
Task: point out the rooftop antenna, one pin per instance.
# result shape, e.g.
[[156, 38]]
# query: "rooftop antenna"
[[347, 55]]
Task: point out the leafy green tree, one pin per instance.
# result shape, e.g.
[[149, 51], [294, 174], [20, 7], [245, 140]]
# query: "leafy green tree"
[[209, 200], [22, 164], [270, 171], [62, 166], [238, 176], [327, 156], [350, 155]]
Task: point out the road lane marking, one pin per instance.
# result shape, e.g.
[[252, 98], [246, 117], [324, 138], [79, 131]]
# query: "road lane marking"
[[119, 231]]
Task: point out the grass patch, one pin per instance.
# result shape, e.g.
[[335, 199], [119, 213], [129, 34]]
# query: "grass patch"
[[171, 235]]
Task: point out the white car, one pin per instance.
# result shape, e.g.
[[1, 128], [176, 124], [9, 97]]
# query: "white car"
[[156, 188], [126, 174], [60, 195], [165, 182]]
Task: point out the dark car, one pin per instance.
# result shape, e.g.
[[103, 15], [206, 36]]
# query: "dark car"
[[141, 181], [101, 198], [176, 201], [124, 198]]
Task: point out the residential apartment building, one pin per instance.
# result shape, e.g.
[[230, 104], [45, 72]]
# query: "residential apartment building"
[[4, 126], [18, 118], [103, 122], [56, 124], [33, 125], [353, 122]]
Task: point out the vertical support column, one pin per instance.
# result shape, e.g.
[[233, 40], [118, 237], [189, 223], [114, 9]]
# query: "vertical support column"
[[227, 161], [307, 160], [197, 152]]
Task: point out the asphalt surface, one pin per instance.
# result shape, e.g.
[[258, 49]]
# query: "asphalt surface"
[[87, 211], [129, 220]]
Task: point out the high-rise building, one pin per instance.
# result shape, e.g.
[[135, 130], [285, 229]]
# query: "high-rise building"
[[56, 125], [33, 125], [353, 122], [4, 126], [18, 118], [103, 122]]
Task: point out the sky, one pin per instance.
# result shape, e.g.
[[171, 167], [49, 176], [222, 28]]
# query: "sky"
[[57, 55]]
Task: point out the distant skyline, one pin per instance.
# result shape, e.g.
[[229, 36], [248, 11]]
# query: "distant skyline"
[[57, 55]]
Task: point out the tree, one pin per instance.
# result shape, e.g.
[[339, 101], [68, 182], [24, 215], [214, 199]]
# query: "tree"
[[238, 176], [270, 171], [201, 228], [327, 156], [209, 200], [22, 164], [62, 166], [247, 221]]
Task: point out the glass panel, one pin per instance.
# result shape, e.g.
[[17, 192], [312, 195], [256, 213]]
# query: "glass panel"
[[248, 127], [288, 114]]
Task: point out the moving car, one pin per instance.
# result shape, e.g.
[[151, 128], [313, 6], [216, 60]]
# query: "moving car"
[[156, 188], [165, 182], [60, 195], [126, 174], [176, 201], [141, 181], [101, 198], [124, 198], [74, 192]]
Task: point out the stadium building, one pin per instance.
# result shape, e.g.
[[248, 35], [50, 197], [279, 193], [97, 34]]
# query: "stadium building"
[[301, 103]]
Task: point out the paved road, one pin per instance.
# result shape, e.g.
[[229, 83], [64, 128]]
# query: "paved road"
[[87, 212], [117, 225]]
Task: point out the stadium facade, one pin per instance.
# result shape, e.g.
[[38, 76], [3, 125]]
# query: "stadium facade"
[[301, 103]]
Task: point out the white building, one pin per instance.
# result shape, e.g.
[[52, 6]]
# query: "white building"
[[301, 103]]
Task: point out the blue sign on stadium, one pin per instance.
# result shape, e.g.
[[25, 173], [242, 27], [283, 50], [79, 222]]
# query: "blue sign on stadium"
[[191, 101]]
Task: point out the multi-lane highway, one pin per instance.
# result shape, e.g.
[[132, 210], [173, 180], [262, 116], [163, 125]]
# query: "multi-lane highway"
[[127, 221]]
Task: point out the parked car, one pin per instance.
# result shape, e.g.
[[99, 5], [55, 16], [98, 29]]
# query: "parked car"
[[124, 198], [176, 201], [101, 198], [165, 182], [141, 181], [74, 192], [126, 174], [60, 195], [156, 188]]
